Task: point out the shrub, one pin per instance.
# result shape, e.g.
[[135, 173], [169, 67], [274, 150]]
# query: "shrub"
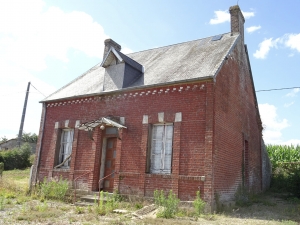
[[169, 204], [199, 204], [17, 158], [54, 189]]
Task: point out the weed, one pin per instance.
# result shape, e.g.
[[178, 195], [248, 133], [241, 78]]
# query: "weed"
[[169, 204], [54, 189], [42, 207], [79, 210], [242, 197], [199, 204], [138, 205], [107, 203]]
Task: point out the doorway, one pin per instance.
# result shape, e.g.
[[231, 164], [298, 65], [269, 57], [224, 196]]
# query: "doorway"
[[110, 158]]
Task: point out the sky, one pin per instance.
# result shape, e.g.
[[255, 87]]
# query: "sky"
[[50, 42]]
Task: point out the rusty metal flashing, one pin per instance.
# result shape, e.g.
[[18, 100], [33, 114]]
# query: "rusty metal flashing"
[[186, 81]]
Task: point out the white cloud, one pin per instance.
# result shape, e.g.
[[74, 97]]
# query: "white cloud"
[[293, 41], [248, 15], [252, 29], [224, 16], [31, 33], [12, 95], [274, 126], [126, 50], [220, 17], [291, 142], [293, 93], [264, 48], [286, 105]]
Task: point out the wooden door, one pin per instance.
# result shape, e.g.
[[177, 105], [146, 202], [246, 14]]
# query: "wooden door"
[[108, 184]]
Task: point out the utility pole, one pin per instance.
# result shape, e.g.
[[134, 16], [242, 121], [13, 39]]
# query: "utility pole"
[[23, 116]]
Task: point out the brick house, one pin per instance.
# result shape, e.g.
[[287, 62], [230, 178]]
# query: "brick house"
[[181, 117]]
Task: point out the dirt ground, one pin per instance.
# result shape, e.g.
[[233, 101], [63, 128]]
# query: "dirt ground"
[[269, 208]]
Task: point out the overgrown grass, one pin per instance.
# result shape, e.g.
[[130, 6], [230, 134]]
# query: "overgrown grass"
[[54, 189]]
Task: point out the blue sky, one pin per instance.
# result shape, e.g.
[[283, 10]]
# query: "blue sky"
[[52, 42]]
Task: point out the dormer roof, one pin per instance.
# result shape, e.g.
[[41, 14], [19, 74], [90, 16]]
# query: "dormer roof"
[[114, 57]]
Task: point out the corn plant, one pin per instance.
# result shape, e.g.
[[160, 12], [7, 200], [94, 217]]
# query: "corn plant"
[[286, 168]]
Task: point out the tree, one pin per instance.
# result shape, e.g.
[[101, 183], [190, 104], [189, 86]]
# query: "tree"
[[3, 139], [30, 138]]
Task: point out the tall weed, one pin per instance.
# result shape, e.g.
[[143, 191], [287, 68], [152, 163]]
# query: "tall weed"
[[54, 189], [168, 204], [199, 204], [107, 203]]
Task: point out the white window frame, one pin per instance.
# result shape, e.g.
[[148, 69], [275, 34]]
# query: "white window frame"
[[161, 159], [65, 147]]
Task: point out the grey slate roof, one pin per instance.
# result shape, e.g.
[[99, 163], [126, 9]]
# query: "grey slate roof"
[[191, 60]]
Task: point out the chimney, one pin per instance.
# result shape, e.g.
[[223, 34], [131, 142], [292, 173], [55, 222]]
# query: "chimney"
[[237, 21], [110, 43]]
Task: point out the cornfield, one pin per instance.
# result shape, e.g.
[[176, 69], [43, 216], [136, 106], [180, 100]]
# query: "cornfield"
[[285, 168], [282, 154]]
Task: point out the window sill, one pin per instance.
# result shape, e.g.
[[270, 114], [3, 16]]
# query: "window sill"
[[160, 175], [62, 169]]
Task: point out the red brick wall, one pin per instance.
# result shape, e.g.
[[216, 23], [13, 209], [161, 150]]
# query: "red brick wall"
[[235, 122], [190, 138], [217, 117]]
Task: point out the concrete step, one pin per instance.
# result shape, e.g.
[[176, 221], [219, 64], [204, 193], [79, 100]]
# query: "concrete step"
[[94, 197]]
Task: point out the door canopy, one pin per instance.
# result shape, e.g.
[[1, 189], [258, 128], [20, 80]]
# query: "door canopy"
[[102, 122]]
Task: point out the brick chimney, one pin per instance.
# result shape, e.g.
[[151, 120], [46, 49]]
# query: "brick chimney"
[[110, 43], [237, 21]]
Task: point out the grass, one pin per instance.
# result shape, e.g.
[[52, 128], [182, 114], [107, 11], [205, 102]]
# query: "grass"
[[16, 206]]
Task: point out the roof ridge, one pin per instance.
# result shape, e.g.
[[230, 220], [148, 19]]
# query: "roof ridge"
[[175, 44]]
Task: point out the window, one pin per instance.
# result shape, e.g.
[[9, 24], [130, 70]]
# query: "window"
[[161, 148], [65, 148]]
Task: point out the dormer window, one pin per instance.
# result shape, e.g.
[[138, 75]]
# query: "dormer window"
[[120, 70]]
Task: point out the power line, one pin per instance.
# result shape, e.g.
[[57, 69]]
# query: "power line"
[[38, 90], [277, 89]]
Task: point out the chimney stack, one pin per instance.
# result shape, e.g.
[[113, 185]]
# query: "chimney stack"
[[110, 43], [237, 21]]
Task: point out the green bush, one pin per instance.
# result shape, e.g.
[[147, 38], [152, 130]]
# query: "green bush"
[[168, 204], [17, 158], [54, 189], [199, 204]]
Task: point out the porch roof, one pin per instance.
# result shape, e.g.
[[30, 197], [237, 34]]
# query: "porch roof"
[[95, 123]]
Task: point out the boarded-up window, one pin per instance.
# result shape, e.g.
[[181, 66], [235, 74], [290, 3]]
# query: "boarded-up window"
[[161, 148], [65, 147]]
